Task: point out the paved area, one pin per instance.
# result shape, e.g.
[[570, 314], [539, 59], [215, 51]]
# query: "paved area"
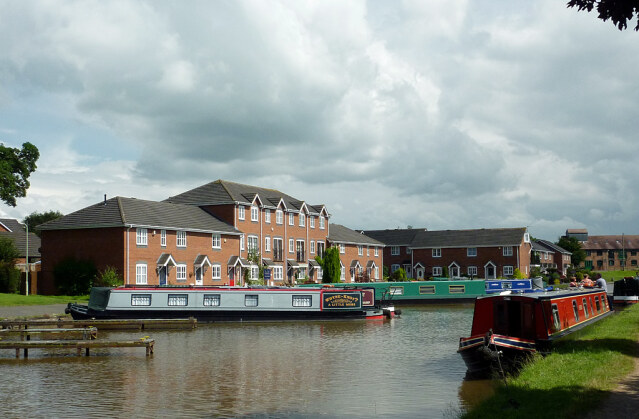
[[28, 311]]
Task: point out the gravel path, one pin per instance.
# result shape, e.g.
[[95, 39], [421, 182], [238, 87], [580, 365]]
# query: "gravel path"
[[29, 311]]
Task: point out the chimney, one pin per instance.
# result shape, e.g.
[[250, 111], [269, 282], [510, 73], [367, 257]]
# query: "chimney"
[[104, 199]]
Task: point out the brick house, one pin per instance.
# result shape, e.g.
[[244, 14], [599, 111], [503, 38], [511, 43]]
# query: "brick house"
[[547, 255], [28, 250], [611, 252], [147, 242], [361, 257], [397, 250]]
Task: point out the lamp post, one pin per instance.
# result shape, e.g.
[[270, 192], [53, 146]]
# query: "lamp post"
[[27, 262]]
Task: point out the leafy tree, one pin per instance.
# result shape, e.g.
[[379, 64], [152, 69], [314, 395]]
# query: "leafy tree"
[[618, 11], [517, 274], [398, 276], [571, 244], [9, 274], [330, 263], [36, 218], [15, 168], [74, 277], [109, 277]]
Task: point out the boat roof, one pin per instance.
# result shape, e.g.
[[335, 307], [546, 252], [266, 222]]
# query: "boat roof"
[[546, 295]]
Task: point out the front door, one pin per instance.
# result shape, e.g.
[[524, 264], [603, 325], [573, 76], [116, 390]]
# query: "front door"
[[490, 272], [454, 271], [162, 274], [198, 276]]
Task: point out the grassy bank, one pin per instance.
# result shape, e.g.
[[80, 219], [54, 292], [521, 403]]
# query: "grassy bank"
[[615, 275], [575, 378], [28, 300]]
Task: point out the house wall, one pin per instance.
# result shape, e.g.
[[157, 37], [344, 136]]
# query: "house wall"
[[351, 252], [611, 260]]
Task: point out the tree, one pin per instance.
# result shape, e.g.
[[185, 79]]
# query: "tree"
[[36, 218], [398, 276], [15, 168], [9, 274], [331, 267], [74, 277], [572, 245], [618, 11]]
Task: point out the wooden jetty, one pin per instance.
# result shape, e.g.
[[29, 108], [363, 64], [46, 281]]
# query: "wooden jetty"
[[26, 334], [78, 345], [133, 324]]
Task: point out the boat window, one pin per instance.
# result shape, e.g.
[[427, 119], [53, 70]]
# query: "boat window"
[[140, 299], [396, 290], [555, 317], [178, 300], [250, 300], [211, 300], [457, 289], [603, 303], [302, 301], [591, 311], [427, 289], [597, 304], [575, 310], [583, 302]]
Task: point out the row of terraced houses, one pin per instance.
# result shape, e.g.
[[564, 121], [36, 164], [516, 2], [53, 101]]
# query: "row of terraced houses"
[[221, 233]]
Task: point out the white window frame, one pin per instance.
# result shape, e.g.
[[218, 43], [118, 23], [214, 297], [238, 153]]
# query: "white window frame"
[[255, 213], [216, 241], [394, 267], [320, 273], [278, 273], [302, 221], [472, 270], [376, 251], [141, 237], [471, 252], [267, 216], [163, 238], [179, 300], [141, 271], [509, 270], [376, 272], [212, 300], [342, 275], [311, 221], [437, 252], [291, 245], [291, 219], [180, 272], [321, 222], [267, 244], [180, 238], [312, 247], [302, 301], [368, 251], [438, 271], [240, 212], [394, 250], [342, 248], [507, 251], [360, 250], [242, 242], [216, 271], [408, 250], [252, 243], [279, 217]]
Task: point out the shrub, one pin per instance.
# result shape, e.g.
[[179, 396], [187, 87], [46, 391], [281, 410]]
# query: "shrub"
[[108, 278], [398, 275], [74, 277], [9, 278]]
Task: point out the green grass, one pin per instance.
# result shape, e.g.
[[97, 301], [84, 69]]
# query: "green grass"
[[582, 369], [28, 300], [615, 275]]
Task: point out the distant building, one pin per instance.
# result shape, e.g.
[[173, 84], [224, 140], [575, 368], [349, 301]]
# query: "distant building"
[[361, 256], [611, 253], [547, 255]]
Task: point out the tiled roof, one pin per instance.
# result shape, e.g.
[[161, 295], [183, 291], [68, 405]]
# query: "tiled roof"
[[123, 212], [397, 237], [10, 224], [340, 234], [19, 237], [469, 238], [550, 246], [225, 192], [615, 242]]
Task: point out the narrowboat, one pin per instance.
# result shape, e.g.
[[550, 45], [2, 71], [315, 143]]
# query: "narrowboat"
[[626, 291], [509, 327], [208, 304]]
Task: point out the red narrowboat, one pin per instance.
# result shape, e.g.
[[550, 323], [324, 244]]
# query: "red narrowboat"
[[509, 327]]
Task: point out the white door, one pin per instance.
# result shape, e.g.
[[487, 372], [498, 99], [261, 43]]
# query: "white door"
[[198, 276]]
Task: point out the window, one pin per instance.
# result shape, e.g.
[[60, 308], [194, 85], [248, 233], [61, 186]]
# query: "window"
[[181, 239], [278, 249], [242, 242], [472, 270], [597, 305], [575, 310], [427, 289], [291, 246], [555, 317], [471, 252], [251, 300], [396, 290], [216, 271], [508, 270], [180, 272], [240, 212], [216, 241], [321, 222], [267, 244], [437, 271], [360, 251], [408, 250], [141, 237], [178, 300], [320, 273], [437, 252], [211, 300], [302, 301], [456, 289], [302, 220], [376, 251], [507, 251], [255, 272], [368, 251], [583, 302], [267, 216], [311, 221], [312, 246], [140, 273], [254, 213], [163, 238], [278, 273], [394, 250], [342, 248], [291, 219], [394, 267], [301, 273], [376, 272], [140, 299], [279, 217], [320, 249], [252, 244], [342, 275]]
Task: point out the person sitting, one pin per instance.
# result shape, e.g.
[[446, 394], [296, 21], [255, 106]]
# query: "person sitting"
[[600, 282]]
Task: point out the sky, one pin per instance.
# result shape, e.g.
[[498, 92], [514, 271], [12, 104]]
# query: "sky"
[[437, 114]]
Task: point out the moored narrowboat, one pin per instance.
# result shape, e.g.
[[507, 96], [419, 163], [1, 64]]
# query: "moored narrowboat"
[[509, 327], [209, 304], [626, 291]]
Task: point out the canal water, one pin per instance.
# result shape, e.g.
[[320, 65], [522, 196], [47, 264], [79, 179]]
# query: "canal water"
[[407, 367]]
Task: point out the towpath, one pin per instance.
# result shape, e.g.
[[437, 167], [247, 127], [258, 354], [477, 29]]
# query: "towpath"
[[623, 401], [9, 312]]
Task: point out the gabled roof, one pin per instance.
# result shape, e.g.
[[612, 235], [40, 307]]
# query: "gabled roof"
[[469, 238], [10, 225], [546, 246], [224, 192], [613, 242], [340, 234], [396, 237], [19, 237], [124, 212]]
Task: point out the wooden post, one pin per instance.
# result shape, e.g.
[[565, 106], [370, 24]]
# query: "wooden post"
[[18, 352]]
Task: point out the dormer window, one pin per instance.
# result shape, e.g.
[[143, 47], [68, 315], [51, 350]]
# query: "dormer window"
[[279, 216], [321, 222], [254, 213], [302, 220], [291, 219]]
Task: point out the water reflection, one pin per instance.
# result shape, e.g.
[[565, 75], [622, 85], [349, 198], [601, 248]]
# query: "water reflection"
[[405, 368]]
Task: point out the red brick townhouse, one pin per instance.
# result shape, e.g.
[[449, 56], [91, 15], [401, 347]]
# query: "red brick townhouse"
[[547, 255], [28, 250], [485, 253], [397, 250], [610, 252], [283, 232], [361, 257], [147, 242]]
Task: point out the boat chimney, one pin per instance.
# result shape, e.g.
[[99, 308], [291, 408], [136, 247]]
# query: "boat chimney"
[[104, 199]]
